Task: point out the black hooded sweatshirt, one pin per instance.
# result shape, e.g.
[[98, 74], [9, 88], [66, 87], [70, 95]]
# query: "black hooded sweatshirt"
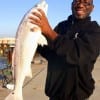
[[71, 58]]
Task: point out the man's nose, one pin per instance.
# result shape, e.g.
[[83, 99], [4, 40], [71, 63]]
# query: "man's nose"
[[81, 4]]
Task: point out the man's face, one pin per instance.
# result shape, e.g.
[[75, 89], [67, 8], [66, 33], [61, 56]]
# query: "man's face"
[[82, 8]]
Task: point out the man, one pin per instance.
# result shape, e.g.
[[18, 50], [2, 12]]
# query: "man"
[[73, 47]]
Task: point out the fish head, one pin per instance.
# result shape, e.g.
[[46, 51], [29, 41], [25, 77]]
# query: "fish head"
[[42, 5]]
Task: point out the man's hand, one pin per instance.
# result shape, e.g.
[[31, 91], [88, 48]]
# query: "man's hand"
[[41, 20]]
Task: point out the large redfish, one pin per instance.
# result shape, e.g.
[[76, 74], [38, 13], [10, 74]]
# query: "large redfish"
[[26, 44]]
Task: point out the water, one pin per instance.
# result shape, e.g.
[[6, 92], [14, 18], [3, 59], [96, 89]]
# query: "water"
[[3, 62]]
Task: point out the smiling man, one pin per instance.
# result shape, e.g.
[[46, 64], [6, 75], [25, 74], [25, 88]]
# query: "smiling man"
[[82, 8], [73, 47]]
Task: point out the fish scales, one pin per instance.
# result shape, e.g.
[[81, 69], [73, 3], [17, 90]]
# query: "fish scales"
[[25, 49]]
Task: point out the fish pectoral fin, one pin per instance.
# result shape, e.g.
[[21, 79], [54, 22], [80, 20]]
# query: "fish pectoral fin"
[[42, 40]]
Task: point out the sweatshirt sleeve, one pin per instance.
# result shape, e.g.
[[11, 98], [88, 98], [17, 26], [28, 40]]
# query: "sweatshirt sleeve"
[[85, 46]]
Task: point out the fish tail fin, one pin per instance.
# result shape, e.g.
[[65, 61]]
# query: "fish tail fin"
[[13, 96]]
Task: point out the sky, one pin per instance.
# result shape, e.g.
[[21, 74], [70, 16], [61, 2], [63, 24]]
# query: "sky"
[[12, 11]]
